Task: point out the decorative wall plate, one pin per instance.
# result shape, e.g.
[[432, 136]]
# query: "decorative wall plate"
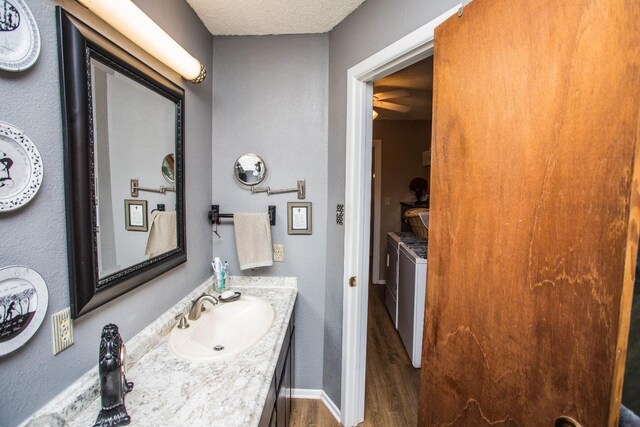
[[19, 36], [21, 168], [23, 304]]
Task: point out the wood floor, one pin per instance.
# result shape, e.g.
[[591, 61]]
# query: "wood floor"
[[392, 384]]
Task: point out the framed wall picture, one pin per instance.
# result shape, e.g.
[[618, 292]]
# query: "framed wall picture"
[[299, 217], [21, 168], [135, 215], [20, 37], [24, 297]]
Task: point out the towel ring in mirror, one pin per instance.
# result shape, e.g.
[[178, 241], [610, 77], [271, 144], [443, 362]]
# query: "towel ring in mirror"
[[249, 169], [168, 168]]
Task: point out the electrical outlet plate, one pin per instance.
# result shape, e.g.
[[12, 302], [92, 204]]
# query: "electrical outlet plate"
[[62, 330], [278, 253]]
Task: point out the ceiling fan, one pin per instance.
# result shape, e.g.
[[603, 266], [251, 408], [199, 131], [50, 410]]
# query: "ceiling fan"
[[380, 101]]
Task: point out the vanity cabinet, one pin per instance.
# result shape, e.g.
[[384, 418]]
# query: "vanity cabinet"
[[277, 408]]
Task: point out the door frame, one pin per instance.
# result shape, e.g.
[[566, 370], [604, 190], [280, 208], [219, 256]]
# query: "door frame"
[[377, 209], [404, 52]]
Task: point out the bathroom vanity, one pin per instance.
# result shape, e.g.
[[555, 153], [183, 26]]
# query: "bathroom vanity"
[[250, 389]]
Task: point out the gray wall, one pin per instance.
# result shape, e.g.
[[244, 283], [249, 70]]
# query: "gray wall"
[[370, 28], [270, 98], [35, 235]]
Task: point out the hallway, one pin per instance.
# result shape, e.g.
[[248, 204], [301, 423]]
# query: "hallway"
[[392, 383]]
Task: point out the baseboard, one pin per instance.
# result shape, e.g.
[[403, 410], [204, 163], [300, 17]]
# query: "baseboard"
[[331, 407], [306, 393]]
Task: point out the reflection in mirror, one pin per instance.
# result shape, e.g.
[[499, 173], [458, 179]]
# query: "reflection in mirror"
[[249, 169], [121, 118], [168, 168], [133, 129]]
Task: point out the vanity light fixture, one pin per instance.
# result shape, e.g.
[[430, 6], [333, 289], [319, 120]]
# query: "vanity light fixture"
[[135, 25]]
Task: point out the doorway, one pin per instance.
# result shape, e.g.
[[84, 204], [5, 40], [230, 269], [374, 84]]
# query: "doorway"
[[406, 51], [402, 105]]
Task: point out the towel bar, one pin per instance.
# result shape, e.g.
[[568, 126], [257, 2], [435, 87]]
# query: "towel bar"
[[215, 215]]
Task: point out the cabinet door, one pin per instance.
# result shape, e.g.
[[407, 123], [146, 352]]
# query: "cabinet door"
[[283, 400], [288, 380], [268, 417], [274, 417]]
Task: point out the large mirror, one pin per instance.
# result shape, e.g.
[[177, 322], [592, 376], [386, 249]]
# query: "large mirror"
[[125, 224]]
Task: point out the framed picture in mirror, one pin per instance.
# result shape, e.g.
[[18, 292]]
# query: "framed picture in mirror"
[[135, 212]]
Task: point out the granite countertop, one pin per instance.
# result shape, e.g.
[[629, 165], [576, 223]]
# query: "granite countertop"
[[419, 249], [169, 390], [417, 244], [406, 236]]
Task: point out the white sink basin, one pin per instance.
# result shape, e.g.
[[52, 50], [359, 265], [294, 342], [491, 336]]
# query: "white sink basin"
[[236, 326]]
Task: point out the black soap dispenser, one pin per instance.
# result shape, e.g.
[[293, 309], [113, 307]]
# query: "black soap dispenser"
[[113, 384]]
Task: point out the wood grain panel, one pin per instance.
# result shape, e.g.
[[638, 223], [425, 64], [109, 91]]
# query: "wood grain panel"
[[534, 212]]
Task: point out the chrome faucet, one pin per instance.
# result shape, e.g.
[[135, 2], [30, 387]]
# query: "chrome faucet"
[[196, 307]]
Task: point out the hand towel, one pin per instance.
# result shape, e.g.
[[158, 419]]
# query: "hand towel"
[[163, 234], [253, 240]]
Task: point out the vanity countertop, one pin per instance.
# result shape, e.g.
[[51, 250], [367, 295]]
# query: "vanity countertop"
[[169, 390]]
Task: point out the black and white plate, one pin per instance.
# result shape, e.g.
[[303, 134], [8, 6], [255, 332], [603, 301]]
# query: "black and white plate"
[[19, 36], [23, 304], [21, 168]]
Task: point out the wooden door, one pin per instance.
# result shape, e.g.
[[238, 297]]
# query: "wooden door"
[[534, 214]]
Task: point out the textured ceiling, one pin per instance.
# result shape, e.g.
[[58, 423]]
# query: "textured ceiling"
[[262, 17], [417, 81]]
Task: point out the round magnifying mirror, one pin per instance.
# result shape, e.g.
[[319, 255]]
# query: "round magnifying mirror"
[[168, 168], [249, 169]]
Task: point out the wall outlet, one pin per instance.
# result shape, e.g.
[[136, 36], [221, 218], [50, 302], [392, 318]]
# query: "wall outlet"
[[62, 330], [278, 253]]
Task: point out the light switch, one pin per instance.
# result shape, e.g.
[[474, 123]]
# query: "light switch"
[[387, 201]]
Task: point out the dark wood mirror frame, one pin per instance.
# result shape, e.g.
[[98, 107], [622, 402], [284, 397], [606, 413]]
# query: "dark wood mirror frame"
[[77, 44]]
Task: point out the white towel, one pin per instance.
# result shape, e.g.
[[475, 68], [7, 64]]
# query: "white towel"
[[253, 240], [163, 233]]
